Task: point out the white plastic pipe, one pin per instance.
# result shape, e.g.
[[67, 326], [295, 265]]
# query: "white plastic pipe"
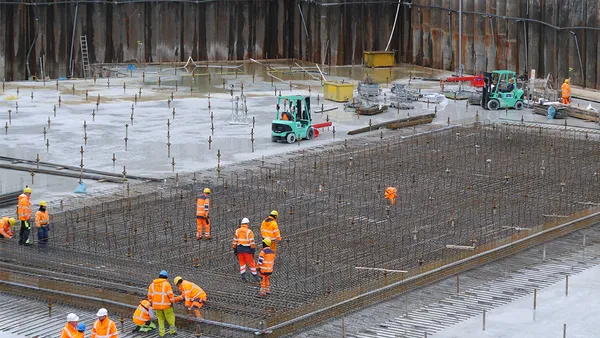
[[394, 26]]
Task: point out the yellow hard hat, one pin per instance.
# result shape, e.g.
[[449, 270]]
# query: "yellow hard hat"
[[27, 190], [566, 80], [12, 222], [43, 203], [274, 213], [177, 280], [267, 241], [206, 191]]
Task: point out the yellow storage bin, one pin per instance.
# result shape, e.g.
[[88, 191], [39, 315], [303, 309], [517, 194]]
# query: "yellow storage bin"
[[379, 59], [337, 91]]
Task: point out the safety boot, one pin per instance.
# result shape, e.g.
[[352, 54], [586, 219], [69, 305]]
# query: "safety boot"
[[256, 278], [244, 276]]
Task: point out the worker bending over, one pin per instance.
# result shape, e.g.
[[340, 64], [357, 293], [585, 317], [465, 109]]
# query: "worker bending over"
[[24, 213], [42, 223], [202, 219], [244, 248], [103, 326], [270, 229], [193, 295], [70, 329], [160, 294], [566, 92], [266, 261], [142, 317], [6, 225]]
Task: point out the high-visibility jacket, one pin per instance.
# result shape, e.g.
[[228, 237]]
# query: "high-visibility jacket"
[[266, 260], [202, 206], [104, 329], [41, 218], [161, 294], [142, 313], [566, 90], [80, 334], [270, 229], [189, 292], [69, 331], [24, 208], [243, 240], [5, 229]]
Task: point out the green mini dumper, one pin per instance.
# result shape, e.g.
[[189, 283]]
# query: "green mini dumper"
[[500, 92], [292, 120]]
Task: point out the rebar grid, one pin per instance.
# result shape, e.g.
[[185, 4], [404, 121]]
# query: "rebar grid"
[[461, 186]]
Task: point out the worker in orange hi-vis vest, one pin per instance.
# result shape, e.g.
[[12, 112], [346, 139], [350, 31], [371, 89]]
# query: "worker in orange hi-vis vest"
[[70, 330], [103, 326], [202, 217], [42, 223], [193, 295], [244, 248], [270, 229], [266, 261], [6, 225], [24, 213], [391, 194], [142, 317], [566, 92], [160, 294]]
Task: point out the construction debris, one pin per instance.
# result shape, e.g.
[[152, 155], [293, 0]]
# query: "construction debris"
[[394, 124]]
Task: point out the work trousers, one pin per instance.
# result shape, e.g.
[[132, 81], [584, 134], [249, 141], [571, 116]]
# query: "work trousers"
[[246, 259], [24, 233], [149, 326], [42, 236], [566, 100], [195, 306], [265, 284], [169, 316], [202, 227]]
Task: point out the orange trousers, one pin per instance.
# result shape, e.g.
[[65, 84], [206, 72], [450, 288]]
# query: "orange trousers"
[[265, 284], [202, 225], [566, 100], [246, 259], [195, 305]]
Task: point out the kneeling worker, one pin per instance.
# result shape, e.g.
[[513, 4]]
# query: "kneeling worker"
[[6, 225], [141, 317], [193, 295]]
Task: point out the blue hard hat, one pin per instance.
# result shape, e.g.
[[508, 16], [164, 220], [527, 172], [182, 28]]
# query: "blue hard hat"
[[81, 327], [163, 274]]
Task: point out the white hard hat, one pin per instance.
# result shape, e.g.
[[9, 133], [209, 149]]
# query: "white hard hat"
[[71, 317], [245, 221], [102, 312]]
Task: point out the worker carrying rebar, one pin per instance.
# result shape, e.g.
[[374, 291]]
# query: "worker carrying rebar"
[[202, 215], [391, 193], [193, 295], [80, 330], [270, 229], [266, 262], [142, 317], [70, 329], [244, 248], [24, 214], [566, 92], [6, 225], [42, 223], [160, 294]]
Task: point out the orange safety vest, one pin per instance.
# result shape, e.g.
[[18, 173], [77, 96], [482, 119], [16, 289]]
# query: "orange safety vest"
[[566, 90], [24, 208], [266, 260], [244, 237], [202, 206], [104, 329], [190, 291], [391, 194], [5, 228], [142, 313], [79, 334], [161, 294], [41, 218], [270, 229], [69, 331]]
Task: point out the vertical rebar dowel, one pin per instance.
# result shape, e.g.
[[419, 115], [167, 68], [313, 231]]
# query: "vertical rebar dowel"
[[544, 253], [567, 285], [483, 319], [565, 330], [457, 284], [534, 298]]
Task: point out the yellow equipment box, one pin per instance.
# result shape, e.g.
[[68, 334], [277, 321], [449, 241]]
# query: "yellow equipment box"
[[337, 91], [379, 59]]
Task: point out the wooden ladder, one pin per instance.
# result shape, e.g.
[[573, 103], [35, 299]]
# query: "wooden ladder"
[[84, 56]]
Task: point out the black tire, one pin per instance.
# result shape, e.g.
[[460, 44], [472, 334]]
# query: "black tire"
[[273, 138], [493, 104], [519, 105], [290, 138], [310, 134]]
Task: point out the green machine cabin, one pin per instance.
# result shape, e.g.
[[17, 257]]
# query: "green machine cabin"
[[292, 119], [500, 90]]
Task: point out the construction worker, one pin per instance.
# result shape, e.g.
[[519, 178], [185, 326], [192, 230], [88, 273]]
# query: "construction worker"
[[270, 229], [202, 218], [244, 248], [142, 317], [566, 92], [24, 213], [193, 295], [42, 223], [103, 326], [80, 330], [70, 329], [266, 261], [6, 225], [391, 193], [160, 294]]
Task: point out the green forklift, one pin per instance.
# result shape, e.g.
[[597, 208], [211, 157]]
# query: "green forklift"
[[500, 91], [292, 119]]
